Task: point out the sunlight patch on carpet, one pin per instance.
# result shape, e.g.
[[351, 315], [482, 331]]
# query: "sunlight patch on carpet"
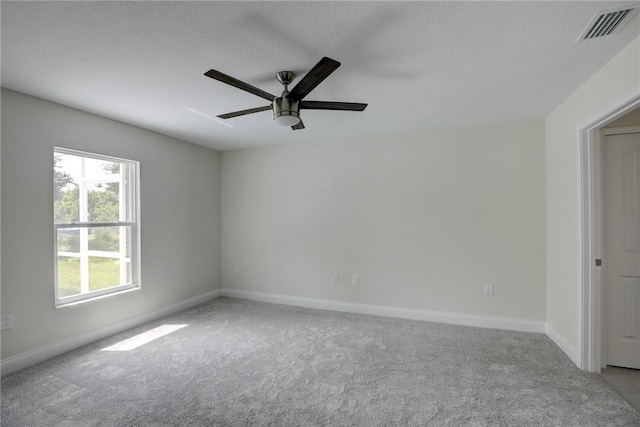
[[143, 338]]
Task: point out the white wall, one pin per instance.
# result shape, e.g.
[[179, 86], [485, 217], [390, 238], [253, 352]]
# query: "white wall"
[[425, 219], [609, 88], [179, 208]]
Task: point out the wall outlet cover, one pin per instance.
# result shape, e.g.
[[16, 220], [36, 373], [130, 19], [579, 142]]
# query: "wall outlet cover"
[[6, 321], [488, 290]]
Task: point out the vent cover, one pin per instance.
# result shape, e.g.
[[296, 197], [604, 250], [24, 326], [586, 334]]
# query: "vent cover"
[[608, 22]]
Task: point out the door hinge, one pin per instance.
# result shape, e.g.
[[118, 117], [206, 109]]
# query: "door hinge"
[[598, 262]]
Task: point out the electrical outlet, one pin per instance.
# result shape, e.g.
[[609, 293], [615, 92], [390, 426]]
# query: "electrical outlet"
[[335, 279], [6, 321], [355, 280], [488, 290]]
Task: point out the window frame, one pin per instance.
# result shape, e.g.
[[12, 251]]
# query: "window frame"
[[133, 201]]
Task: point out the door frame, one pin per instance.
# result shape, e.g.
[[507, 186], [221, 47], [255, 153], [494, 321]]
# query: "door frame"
[[590, 307]]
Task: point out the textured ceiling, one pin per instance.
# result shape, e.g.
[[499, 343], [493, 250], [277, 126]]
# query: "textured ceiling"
[[417, 64]]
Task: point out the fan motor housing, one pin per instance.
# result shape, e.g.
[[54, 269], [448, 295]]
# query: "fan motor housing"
[[285, 107]]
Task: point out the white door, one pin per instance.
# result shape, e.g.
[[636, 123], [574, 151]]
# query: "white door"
[[621, 244]]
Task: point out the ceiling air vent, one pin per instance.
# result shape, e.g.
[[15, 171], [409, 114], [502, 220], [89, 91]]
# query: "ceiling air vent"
[[608, 22]]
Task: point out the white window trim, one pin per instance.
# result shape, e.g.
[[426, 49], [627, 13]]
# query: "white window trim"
[[135, 232]]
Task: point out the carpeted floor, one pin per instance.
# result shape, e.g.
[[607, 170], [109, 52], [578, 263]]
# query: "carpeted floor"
[[246, 363]]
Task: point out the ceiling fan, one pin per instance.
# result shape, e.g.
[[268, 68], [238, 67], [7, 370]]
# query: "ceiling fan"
[[286, 108]]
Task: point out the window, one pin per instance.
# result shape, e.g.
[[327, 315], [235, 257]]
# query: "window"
[[95, 211]]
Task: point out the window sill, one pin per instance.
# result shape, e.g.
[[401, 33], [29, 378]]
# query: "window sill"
[[89, 298]]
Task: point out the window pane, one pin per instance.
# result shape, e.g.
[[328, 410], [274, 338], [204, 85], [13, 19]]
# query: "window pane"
[[69, 240], [106, 239], [65, 187], [103, 273], [66, 208], [98, 169], [103, 202], [68, 276]]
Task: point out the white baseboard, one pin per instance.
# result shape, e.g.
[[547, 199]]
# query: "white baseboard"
[[32, 357], [41, 354], [569, 350], [507, 323]]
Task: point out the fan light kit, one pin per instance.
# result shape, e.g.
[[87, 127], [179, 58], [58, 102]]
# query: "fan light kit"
[[286, 108]]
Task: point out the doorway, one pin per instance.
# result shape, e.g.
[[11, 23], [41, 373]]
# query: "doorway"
[[592, 354]]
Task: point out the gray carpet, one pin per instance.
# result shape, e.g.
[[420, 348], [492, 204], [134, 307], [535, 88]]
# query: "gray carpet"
[[247, 363]]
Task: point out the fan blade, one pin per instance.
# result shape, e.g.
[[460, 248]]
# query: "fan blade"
[[298, 126], [243, 112], [313, 78], [322, 105], [217, 75]]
